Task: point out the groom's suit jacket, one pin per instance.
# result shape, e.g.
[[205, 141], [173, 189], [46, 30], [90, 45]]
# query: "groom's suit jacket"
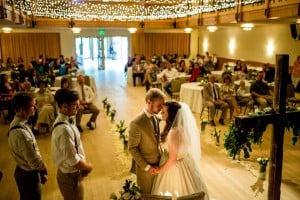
[[143, 146]]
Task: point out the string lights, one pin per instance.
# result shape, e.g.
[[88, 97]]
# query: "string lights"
[[123, 10]]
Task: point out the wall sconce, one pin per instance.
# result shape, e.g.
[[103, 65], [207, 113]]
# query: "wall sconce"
[[212, 28], [247, 26], [76, 30], [6, 29], [188, 30], [132, 30]]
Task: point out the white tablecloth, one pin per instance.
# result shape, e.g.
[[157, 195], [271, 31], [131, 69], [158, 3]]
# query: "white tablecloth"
[[190, 93]]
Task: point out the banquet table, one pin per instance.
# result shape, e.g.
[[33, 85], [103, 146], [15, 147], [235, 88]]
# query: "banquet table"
[[190, 93]]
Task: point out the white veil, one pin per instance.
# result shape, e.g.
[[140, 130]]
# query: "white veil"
[[189, 137]]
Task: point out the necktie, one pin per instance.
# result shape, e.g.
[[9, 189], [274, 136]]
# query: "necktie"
[[82, 92], [215, 92], [156, 126]]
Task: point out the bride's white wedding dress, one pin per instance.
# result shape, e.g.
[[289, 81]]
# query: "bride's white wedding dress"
[[181, 178]]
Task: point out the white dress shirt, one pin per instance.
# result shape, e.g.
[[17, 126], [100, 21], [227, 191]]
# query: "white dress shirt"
[[23, 146], [88, 92], [66, 146]]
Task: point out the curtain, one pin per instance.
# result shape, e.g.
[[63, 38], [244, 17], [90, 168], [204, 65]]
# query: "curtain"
[[167, 43], [29, 45]]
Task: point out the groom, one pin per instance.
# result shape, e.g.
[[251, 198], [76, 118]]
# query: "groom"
[[143, 140]]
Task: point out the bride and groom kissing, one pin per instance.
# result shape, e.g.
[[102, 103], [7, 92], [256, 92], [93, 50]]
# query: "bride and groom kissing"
[[166, 163]]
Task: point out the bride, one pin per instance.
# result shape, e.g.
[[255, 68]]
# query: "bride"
[[179, 171]]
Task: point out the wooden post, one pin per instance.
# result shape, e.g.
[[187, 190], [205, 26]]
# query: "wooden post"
[[279, 103]]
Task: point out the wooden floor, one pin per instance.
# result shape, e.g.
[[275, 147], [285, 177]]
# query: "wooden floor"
[[226, 179]]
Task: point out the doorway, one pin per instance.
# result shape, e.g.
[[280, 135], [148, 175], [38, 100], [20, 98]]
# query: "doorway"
[[95, 52]]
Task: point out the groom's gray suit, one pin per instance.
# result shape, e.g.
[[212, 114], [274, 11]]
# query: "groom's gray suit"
[[143, 147]]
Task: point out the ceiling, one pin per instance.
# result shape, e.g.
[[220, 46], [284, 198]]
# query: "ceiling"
[[149, 13]]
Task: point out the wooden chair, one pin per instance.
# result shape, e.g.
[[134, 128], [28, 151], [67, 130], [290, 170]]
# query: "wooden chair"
[[175, 88], [195, 196], [155, 197]]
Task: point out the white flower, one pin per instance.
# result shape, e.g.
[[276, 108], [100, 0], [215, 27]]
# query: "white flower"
[[126, 196]]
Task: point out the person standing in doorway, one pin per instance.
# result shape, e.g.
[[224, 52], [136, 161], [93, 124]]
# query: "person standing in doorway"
[[31, 170], [66, 146], [144, 139]]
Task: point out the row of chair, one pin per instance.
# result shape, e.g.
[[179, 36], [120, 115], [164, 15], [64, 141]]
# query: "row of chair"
[[291, 100]]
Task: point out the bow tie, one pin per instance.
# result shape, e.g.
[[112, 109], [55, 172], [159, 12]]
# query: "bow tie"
[[71, 121]]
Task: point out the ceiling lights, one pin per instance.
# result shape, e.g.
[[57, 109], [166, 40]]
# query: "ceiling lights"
[[132, 30], [247, 26], [123, 10], [212, 28], [76, 30]]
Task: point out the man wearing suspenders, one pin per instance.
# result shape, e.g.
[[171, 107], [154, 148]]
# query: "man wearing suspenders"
[[66, 146], [31, 171]]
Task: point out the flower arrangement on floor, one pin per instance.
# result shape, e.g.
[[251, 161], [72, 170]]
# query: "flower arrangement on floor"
[[121, 129], [217, 134], [130, 191]]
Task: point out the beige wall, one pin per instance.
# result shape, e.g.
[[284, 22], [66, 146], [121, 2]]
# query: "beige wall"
[[251, 45]]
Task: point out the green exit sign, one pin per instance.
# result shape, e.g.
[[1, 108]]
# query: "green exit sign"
[[101, 32]]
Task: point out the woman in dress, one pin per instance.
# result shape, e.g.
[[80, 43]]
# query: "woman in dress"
[[179, 171], [228, 94]]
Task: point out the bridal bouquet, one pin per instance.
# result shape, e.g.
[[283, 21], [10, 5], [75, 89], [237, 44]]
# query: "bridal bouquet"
[[130, 192]]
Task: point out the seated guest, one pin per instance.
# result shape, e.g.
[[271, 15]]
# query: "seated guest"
[[62, 70], [238, 66], [242, 74], [6, 93], [33, 78], [64, 83], [151, 75], [211, 98], [243, 95], [269, 73], [195, 73], [228, 95], [261, 92], [167, 75], [295, 76], [138, 70], [45, 108], [86, 98]]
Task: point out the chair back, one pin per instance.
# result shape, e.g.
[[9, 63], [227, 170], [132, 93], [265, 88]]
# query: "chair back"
[[290, 91], [175, 85], [155, 197], [196, 196], [87, 80]]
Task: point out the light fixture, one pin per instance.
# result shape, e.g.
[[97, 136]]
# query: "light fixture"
[[76, 30], [6, 29], [297, 21], [132, 30], [212, 28], [188, 30], [247, 26]]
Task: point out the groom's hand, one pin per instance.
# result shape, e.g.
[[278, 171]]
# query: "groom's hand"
[[153, 170]]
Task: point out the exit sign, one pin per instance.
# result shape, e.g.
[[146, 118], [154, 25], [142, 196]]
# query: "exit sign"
[[101, 32]]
